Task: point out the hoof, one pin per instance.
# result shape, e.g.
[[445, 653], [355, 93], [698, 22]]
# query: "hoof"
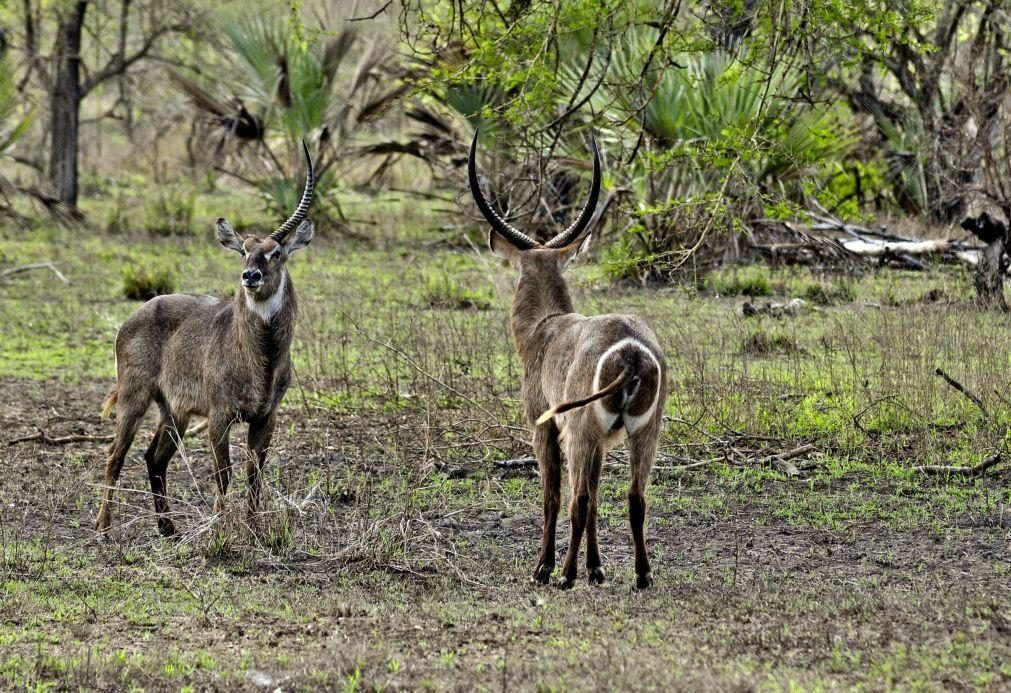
[[566, 583], [643, 581], [542, 574], [595, 576], [166, 527], [103, 524]]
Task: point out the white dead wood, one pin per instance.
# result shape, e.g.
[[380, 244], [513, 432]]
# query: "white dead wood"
[[34, 266]]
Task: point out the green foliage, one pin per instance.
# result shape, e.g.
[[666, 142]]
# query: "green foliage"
[[443, 291], [15, 116], [745, 281], [171, 211], [296, 85], [142, 284], [829, 294], [762, 342]]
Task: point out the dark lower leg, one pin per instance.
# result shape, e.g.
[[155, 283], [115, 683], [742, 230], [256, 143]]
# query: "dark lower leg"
[[577, 523], [594, 573], [260, 434], [218, 433], [637, 519], [158, 455], [549, 457]]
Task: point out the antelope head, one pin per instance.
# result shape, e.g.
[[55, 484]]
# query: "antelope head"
[[263, 273], [522, 251]]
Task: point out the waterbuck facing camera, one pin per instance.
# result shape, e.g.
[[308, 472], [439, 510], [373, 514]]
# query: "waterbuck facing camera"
[[199, 355], [588, 383]]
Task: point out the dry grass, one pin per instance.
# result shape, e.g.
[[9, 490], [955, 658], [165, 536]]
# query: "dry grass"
[[394, 553]]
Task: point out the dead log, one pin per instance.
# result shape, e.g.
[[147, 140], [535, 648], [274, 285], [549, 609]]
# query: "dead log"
[[952, 470], [989, 279], [776, 310], [866, 247]]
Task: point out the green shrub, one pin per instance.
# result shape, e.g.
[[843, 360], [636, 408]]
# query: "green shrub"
[[441, 291], [116, 217], [142, 284], [763, 343], [171, 213], [826, 295], [745, 282]]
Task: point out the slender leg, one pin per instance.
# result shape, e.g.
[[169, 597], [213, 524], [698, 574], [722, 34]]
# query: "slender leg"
[[549, 459], [163, 447], [594, 572], [217, 430], [260, 433], [642, 451], [128, 418], [581, 461]]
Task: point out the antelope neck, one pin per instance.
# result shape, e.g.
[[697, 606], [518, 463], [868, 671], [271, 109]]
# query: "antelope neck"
[[537, 300]]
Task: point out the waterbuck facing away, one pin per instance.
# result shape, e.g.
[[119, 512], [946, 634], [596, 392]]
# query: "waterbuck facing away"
[[588, 382], [199, 355]]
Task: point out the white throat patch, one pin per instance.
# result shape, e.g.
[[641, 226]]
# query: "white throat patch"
[[268, 307]]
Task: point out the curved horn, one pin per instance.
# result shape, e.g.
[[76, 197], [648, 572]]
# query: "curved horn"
[[303, 205], [579, 225], [510, 233]]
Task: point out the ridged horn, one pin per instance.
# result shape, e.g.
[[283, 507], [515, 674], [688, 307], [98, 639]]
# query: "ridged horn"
[[510, 233], [298, 215], [579, 225]]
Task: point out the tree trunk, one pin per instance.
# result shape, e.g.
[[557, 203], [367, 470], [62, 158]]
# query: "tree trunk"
[[989, 278], [65, 104]]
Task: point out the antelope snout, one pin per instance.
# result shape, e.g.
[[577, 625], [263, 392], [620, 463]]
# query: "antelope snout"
[[252, 278]]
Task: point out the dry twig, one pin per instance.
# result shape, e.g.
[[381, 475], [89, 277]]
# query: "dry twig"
[[42, 437], [974, 471], [33, 266], [964, 390], [781, 460]]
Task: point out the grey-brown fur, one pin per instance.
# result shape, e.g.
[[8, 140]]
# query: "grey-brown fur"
[[588, 381], [560, 350], [198, 355]]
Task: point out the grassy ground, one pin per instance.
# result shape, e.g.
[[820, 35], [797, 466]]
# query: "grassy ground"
[[396, 550]]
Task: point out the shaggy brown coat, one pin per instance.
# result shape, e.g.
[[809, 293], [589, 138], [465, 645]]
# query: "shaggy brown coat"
[[199, 355]]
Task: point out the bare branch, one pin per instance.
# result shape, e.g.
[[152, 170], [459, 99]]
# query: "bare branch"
[[951, 470]]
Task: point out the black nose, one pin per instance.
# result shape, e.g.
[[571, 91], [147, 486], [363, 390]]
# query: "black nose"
[[252, 276]]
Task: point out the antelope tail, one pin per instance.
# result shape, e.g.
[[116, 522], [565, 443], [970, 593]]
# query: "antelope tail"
[[110, 403], [615, 385]]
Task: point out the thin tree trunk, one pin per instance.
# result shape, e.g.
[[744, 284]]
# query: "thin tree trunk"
[[65, 104], [989, 282]]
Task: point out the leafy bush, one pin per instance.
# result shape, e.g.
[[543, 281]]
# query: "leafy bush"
[[441, 291], [761, 342], [826, 294], [291, 85], [141, 284], [748, 281], [171, 212]]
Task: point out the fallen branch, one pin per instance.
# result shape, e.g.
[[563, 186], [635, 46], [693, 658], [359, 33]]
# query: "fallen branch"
[[34, 266], [42, 437], [952, 470], [520, 463], [963, 389], [781, 461]]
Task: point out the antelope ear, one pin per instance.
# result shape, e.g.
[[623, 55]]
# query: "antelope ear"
[[567, 253], [301, 237], [226, 236], [503, 248]]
